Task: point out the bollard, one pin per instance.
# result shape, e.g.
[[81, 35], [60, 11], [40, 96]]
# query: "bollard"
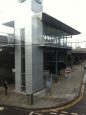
[[30, 98]]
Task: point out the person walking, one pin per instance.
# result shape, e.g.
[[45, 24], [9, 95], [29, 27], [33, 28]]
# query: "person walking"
[[6, 87]]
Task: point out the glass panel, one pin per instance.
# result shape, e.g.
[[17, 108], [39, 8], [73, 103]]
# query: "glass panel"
[[54, 36], [65, 41], [61, 42]]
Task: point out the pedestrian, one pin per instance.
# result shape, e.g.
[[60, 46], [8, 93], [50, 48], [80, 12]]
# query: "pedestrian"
[[6, 87]]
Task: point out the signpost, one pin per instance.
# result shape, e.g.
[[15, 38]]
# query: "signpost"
[[48, 82], [48, 86], [68, 74]]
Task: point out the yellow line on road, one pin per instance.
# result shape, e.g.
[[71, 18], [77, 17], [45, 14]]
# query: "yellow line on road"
[[66, 106], [72, 103]]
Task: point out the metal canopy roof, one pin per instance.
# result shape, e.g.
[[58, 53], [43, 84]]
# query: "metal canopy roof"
[[52, 22], [10, 23], [58, 24]]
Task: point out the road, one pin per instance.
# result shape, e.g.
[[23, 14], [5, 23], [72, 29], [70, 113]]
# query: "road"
[[14, 111], [77, 109]]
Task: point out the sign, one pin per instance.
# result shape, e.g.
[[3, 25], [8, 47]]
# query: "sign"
[[38, 1], [67, 72], [68, 75], [37, 6], [21, 1]]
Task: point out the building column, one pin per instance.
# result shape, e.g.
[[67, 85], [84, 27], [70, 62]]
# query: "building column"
[[17, 62]]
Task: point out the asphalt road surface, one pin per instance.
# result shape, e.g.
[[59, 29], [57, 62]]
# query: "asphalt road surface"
[[14, 111], [78, 109]]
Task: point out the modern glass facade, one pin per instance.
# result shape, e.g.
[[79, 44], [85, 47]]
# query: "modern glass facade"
[[40, 44], [54, 36], [7, 58]]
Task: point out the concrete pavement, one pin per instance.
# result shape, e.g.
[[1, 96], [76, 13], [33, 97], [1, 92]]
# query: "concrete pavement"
[[62, 92]]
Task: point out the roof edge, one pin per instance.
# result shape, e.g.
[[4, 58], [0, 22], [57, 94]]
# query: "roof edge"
[[58, 24]]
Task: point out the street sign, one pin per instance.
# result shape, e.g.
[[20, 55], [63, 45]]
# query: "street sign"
[[68, 75], [21, 1], [67, 72]]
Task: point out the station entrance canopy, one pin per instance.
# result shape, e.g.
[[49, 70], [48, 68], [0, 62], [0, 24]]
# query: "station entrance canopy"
[[58, 24], [55, 32]]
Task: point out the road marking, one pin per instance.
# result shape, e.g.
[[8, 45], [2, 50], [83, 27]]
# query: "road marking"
[[73, 103], [38, 113], [53, 113], [2, 108], [54, 110], [74, 113], [70, 104], [31, 113], [61, 114], [64, 112]]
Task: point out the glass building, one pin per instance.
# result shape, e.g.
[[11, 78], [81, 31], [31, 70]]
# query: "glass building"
[[39, 45]]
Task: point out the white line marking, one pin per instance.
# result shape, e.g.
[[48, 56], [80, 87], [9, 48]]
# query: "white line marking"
[[54, 110], [2, 108], [74, 113], [64, 112], [31, 113], [61, 114], [53, 113], [38, 113]]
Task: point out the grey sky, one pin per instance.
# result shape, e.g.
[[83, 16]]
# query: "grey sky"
[[71, 12]]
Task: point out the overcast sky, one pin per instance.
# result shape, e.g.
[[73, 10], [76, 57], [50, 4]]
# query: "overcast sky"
[[71, 12]]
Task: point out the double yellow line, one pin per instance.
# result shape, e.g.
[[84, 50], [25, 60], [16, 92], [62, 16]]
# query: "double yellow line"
[[68, 105], [74, 102]]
